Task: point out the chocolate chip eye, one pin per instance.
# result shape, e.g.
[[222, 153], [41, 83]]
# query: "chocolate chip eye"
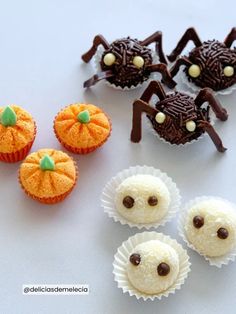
[[152, 200], [222, 233], [228, 71], [128, 201], [135, 259], [198, 222], [163, 269]]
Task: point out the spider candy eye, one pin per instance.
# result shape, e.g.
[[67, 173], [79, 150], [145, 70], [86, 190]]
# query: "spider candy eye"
[[160, 117], [194, 70], [228, 71], [128, 201], [138, 62], [191, 126], [109, 59]]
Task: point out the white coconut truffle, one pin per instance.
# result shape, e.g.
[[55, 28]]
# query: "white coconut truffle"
[[153, 267], [210, 227], [142, 199]]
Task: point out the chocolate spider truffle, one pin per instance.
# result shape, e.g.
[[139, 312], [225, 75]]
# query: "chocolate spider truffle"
[[210, 64], [214, 65], [153, 267], [210, 226], [142, 199], [127, 62], [128, 59]]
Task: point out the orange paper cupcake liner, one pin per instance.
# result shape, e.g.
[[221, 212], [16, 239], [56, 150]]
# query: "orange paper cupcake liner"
[[54, 199], [19, 154], [84, 150]]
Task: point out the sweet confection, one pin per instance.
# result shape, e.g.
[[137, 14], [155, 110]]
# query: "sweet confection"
[[82, 128], [142, 199], [17, 133], [128, 62], [48, 175], [153, 267], [178, 118], [210, 226], [210, 64]]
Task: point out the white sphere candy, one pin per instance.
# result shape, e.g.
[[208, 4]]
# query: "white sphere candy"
[[160, 117], [191, 126], [194, 70], [109, 59], [228, 71], [138, 62]]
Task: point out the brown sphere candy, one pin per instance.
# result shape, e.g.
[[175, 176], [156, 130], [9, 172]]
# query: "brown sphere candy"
[[135, 259], [163, 269], [152, 200], [198, 222], [128, 201], [222, 233]]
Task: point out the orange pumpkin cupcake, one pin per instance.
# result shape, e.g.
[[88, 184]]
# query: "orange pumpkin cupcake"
[[48, 175], [82, 128], [17, 133]]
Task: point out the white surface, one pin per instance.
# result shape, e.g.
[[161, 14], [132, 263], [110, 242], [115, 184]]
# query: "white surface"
[[74, 242]]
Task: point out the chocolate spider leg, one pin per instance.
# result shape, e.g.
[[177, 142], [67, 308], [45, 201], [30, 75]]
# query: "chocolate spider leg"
[[166, 76], [156, 88], [98, 40], [213, 135], [156, 38], [98, 77], [190, 34], [139, 106], [230, 38], [206, 95], [180, 61]]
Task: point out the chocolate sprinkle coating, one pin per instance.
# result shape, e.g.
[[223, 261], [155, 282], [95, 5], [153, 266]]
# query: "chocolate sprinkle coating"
[[222, 233], [163, 269], [126, 74], [152, 200], [128, 201], [198, 221], [179, 108], [135, 259], [212, 56]]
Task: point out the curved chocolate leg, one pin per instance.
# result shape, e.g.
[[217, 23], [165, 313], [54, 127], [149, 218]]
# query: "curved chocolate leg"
[[139, 107], [213, 135], [190, 34], [166, 76], [98, 40], [156, 38], [206, 94], [156, 88], [230, 37], [98, 77], [180, 61]]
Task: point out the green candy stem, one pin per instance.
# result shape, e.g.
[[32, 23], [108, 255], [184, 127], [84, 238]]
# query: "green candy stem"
[[47, 163], [84, 116], [8, 117]]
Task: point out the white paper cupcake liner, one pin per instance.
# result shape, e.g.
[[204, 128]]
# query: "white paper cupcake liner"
[[122, 256], [213, 261], [151, 129], [153, 76], [109, 192]]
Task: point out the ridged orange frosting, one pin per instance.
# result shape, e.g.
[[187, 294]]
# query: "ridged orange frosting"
[[82, 135], [45, 184], [16, 137]]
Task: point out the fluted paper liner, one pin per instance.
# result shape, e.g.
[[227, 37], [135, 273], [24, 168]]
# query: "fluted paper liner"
[[213, 261], [122, 256], [98, 57], [109, 192]]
